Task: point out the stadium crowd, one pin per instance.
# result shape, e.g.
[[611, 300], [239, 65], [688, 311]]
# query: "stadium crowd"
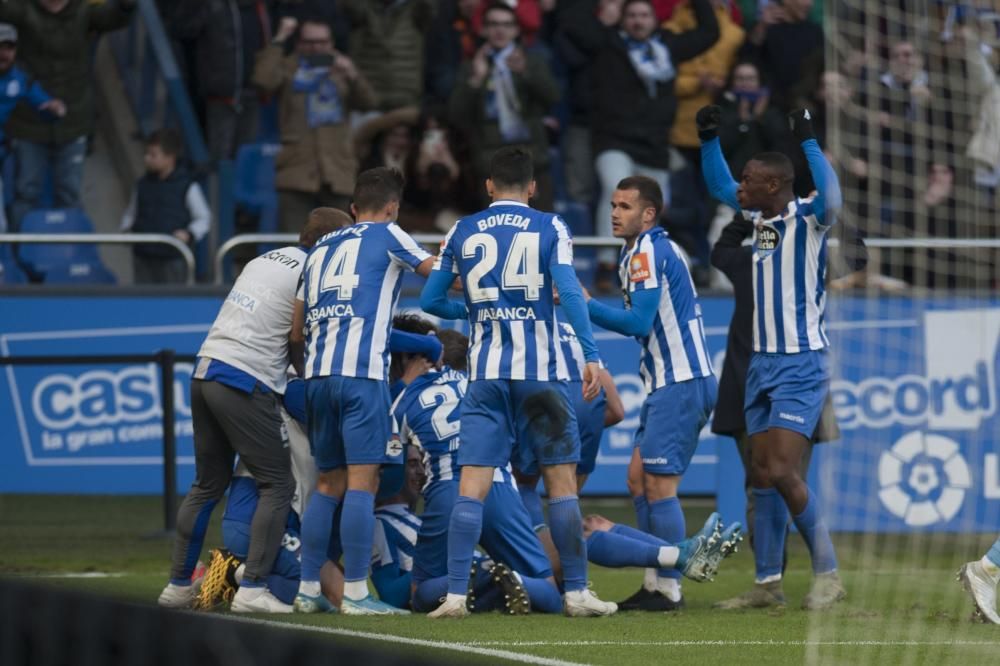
[[598, 89]]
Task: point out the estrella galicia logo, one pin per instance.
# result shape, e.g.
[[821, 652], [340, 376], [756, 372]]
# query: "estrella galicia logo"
[[923, 479], [768, 238]]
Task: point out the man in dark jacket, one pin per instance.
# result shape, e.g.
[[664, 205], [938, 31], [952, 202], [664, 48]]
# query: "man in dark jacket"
[[735, 259], [54, 47], [632, 73], [227, 34]]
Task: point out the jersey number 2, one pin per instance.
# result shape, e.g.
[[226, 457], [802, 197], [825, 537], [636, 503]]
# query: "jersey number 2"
[[443, 428], [521, 269]]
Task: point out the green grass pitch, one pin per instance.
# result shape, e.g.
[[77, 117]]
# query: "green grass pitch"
[[904, 606]]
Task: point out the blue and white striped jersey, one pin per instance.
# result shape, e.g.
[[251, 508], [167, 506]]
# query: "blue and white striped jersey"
[[428, 414], [675, 350], [789, 275], [503, 256], [350, 288], [572, 352], [395, 538]]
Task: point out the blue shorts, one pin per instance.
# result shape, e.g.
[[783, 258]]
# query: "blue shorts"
[[507, 535], [670, 422], [349, 422], [283, 581], [786, 391], [590, 421], [498, 412]]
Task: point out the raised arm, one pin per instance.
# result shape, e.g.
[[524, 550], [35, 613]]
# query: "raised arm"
[[828, 198], [686, 45], [718, 178], [413, 343]]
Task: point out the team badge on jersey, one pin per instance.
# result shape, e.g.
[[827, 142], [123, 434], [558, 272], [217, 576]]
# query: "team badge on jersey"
[[638, 267], [768, 238], [393, 447]]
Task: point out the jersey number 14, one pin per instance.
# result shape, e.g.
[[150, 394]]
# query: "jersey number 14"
[[340, 275]]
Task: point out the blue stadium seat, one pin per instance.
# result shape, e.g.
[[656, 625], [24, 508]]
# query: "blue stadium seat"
[[80, 272], [10, 270], [41, 257], [269, 129], [254, 188]]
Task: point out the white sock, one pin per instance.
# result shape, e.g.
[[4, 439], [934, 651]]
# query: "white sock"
[[455, 597], [649, 580], [309, 588], [776, 578], [240, 570], [668, 556], [991, 569], [250, 593], [669, 587], [355, 590]]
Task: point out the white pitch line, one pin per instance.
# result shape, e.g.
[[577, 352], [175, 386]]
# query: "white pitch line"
[[76, 574], [407, 640], [734, 643]]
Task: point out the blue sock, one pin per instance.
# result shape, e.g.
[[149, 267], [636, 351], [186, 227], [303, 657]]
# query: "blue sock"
[[993, 554], [357, 528], [609, 549], [463, 534], [638, 535], [567, 535], [543, 594], [666, 521], [317, 528], [817, 537], [429, 593], [641, 513], [769, 524], [533, 503]]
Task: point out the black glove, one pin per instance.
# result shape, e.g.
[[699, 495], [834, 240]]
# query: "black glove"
[[707, 120], [800, 123]]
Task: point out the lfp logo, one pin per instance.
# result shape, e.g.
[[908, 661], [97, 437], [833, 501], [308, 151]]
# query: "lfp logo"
[[923, 479]]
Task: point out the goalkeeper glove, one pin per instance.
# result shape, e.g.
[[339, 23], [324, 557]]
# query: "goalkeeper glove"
[[707, 120], [800, 123]]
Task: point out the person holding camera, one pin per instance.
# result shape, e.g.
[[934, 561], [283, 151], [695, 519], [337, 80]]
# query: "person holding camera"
[[317, 88]]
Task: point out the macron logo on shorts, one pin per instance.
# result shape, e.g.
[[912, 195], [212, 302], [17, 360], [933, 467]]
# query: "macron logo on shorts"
[[654, 461], [791, 417]]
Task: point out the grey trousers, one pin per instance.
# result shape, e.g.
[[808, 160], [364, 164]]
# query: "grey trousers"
[[226, 422]]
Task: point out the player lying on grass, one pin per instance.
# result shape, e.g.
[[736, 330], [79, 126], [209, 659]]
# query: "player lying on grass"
[[662, 312], [980, 579], [428, 412], [788, 376]]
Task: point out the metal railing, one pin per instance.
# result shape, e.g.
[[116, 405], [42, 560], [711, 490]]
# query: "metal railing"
[[109, 239], [605, 241]]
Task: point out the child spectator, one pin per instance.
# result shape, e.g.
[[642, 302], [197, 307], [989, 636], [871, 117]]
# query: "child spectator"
[[15, 85], [167, 200]]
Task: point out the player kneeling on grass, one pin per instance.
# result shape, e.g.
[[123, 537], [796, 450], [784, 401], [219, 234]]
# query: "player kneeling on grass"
[[518, 578], [226, 568], [788, 377]]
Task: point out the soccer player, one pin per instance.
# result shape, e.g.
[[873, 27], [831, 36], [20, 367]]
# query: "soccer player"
[[788, 376], [395, 542], [980, 579], [509, 257], [350, 288], [428, 412], [662, 312], [235, 393]]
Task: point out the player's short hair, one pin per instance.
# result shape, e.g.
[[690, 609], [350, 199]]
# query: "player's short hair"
[[456, 348], [322, 221], [169, 141], [649, 191], [512, 167], [497, 6], [377, 188], [408, 323], [777, 163], [632, 2]]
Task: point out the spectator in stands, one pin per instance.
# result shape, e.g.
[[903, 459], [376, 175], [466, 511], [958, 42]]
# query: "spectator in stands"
[[455, 41], [501, 98], [226, 35], [632, 71], [984, 146], [55, 48], [750, 124], [788, 48], [167, 200], [905, 85], [387, 43], [698, 82], [317, 88], [16, 85], [529, 13], [323, 11]]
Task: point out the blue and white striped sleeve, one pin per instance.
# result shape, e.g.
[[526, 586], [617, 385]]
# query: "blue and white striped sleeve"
[[403, 249], [564, 243], [643, 267]]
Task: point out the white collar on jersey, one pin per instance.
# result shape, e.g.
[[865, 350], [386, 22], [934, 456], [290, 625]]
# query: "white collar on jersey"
[[508, 202]]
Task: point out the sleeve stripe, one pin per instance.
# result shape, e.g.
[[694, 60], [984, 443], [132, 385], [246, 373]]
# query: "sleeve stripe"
[[564, 241], [407, 242]]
